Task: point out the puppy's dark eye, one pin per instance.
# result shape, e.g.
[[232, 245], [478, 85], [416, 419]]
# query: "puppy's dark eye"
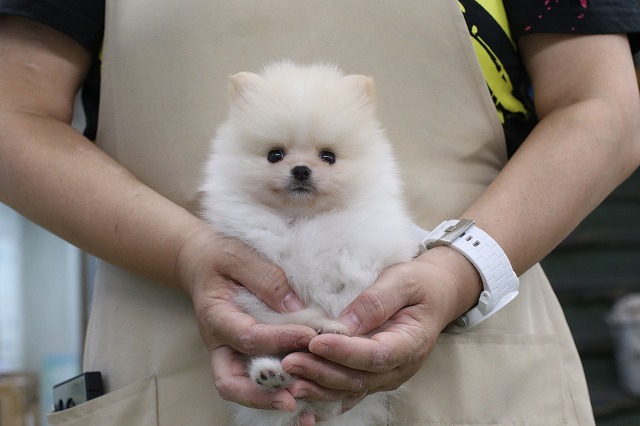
[[275, 155], [328, 157]]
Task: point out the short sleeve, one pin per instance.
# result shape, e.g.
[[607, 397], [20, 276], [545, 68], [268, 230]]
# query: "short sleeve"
[[82, 20], [575, 17]]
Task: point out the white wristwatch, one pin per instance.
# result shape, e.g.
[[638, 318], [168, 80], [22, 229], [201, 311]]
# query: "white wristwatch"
[[498, 278]]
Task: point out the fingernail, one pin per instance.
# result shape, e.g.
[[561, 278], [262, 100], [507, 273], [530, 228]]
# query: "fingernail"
[[292, 302], [278, 405], [301, 394], [294, 369], [303, 342], [351, 321], [320, 348]]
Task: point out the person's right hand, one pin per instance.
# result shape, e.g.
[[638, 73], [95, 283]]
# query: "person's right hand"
[[210, 268]]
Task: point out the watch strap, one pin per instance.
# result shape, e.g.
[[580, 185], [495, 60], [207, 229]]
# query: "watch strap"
[[499, 281]]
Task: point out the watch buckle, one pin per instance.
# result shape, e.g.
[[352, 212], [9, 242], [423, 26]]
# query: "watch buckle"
[[453, 232]]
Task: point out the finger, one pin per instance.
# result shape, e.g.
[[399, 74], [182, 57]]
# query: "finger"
[[326, 380], [261, 277], [395, 289], [308, 390], [234, 385], [341, 383], [274, 339], [404, 341], [222, 322], [356, 352], [247, 336], [307, 418]]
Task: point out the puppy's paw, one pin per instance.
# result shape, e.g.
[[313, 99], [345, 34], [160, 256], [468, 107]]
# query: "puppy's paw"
[[268, 373]]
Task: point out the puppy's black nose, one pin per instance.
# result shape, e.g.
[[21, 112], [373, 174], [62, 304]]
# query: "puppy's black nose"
[[301, 173]]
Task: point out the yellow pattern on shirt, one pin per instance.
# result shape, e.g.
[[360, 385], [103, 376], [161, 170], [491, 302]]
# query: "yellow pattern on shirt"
[[494, 71]]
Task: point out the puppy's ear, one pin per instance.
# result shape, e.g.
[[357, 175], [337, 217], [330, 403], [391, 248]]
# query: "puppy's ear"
[[242, 82], [363, 85]]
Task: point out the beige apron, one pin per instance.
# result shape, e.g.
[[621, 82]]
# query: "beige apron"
[[164, 93]]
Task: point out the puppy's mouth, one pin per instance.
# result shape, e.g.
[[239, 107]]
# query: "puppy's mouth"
[[301, 188]]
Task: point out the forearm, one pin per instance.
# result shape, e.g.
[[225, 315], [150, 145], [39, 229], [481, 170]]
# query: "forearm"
[[573, 159], [59, 179], [586, 143], [53, 175]]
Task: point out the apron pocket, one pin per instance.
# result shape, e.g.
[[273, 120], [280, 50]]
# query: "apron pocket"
[[488, 379], [134, 404]]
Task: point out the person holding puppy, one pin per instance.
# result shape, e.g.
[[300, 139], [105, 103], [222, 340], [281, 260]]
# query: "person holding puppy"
[[131, 198]]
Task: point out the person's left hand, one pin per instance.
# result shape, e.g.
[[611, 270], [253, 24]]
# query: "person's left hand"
[[407, 308]]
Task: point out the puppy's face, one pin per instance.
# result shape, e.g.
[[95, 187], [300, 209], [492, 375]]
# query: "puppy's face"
[[300, 180], [301, 142]]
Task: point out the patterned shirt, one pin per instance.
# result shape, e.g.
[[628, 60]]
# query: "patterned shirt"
[[494, 26]]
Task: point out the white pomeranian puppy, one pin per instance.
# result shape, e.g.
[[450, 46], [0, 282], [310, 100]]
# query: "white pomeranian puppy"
[[302, 171]]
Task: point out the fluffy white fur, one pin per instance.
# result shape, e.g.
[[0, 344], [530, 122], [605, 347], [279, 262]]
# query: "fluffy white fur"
[[332, 229]]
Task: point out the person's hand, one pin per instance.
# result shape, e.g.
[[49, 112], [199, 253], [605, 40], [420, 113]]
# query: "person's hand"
[[394, 326], [210, 268]]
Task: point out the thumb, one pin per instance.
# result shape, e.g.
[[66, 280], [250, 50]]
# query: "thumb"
[[379, 302]]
